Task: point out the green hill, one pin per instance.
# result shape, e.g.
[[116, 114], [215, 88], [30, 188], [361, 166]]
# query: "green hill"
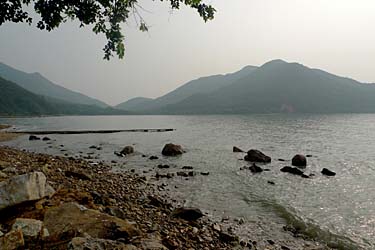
[[16, 101], [38, 84]]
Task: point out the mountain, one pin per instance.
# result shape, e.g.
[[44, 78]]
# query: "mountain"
[[278, 86], [199, 86], [38, 84], [134, 103], [15, 100]]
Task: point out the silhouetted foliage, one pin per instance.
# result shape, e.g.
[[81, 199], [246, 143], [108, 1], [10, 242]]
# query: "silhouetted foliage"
[[105, 16]]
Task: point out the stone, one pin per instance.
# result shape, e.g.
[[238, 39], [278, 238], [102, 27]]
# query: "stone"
[[31, 229], [34, 138], [21, 188], [299, 161], [171, 149], [255, 169], [153, 157], [152, 244], [187, 167], [70, 219], [163, 166], [127, 150], [89, 243], [188, 213], [237, 150], [293, 170], [46, 138], [205, 173], [12, 240], [255, 155], [328, 172], [228, 238], [77, 175]]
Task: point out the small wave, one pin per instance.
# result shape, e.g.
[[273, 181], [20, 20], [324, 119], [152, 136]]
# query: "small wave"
[[312, 231]]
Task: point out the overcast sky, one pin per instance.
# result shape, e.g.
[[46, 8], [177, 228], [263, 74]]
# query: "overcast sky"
[[335, 35]]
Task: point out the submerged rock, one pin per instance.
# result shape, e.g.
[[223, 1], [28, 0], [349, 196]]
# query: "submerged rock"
[[21, 188], [293, 170], [188, 213], [127, 150], [255, 155], [255, 169], [34, 138], [299, 161], [171, 149], [328, 172], [237, 150]]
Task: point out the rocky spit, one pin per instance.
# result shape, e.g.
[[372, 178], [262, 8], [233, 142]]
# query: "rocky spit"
[[55, 202]]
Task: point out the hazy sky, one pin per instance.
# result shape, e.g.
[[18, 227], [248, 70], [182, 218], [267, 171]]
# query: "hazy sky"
[[334, 35]]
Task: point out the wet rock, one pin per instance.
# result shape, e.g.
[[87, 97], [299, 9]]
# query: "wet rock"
[[187, 167], [182, 174], [153, 157], [293, 170], [299, 161], [280, 159], [163, 166], [77, 175], [34, 138], [12, 240], [31, 229], [328, 172], [89, 243], [171, 149], [205, 173], [127, 150], [271, 182], [254, 155], [237, 150], [21, 188], [227, 237], [188, 213], [46, 138], [308, 156], [68, 219], [255, 169]]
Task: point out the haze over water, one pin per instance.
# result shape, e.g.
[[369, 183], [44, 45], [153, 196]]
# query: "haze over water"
[[338, 209]]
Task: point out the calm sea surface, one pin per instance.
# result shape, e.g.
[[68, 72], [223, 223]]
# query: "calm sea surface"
[[338, 210]]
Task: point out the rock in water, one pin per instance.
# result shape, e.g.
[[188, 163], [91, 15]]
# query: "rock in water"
[[70, 218], [328, 172], [127, 150], [292, 170], [188, 213], [21, 188], [172, 150], [255, 169], [299, 161], [46, 138], [33, 138], [237, 150], [254, 155]]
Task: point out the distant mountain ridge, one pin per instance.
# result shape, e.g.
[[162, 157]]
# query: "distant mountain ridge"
[[38, 84], [17, 101], [275, 87], [201, 85]]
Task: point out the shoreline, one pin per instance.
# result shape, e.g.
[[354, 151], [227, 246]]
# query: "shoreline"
[[130, 196]]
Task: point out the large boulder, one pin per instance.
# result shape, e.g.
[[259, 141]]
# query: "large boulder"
[[89, 243], [188, 213], [127, 150], [254, 155], [171, 149], [27, 187], [71, 219], [299, 161]]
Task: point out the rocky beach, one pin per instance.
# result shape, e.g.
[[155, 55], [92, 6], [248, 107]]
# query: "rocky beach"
[[56, 202]]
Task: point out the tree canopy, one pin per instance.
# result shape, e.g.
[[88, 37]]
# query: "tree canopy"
[[105, 16]]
